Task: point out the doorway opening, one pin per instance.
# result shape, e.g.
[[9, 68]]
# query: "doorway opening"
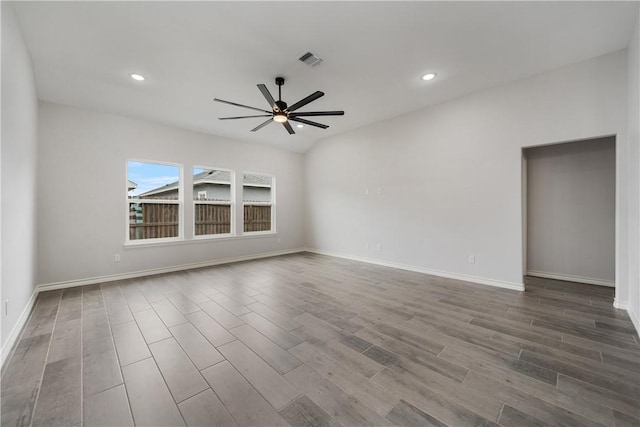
[[569, 211]]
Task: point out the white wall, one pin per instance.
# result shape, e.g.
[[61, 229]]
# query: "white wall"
[[81, 193], [18, 153], [633, 60], [571, 201], [445, 182]]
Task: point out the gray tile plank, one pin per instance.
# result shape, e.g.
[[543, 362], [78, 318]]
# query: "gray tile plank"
[[407, 372], [345, 409], [18, 403], [438, 406], [100, 368], [270, 352], [70, 305], [182, 303], [212, 330], [616, 383], [408, 336], [511, 417], [537, 407], [230, 304], [136, 301], [221, 315], [304, 412], [130, 344], [414, 354], [246, 405], [263, 377], [116, 305], [205, 409], [285, 322], [59, 402], [66, 341], [109, 408], [624, 420], [197, 347], [381, 401], [180, 374], [497, 360], [169, 314], [150, 400], [599, 396], [41, 320], [272, 331], [350, 358], [151, 326], [278, 306], [28, 361], [405, 414]]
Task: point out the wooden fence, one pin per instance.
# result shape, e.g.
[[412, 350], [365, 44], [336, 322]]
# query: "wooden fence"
[[212, 219], [151, 220], [257, 218]]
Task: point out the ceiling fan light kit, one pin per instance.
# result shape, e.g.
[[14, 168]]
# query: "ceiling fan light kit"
[[281, 113]]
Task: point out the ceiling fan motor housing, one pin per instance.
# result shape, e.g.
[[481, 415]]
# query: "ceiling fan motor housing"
[[281, 105]]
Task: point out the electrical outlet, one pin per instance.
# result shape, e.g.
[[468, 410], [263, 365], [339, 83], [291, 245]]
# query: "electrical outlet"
[[379, 247], [472, 259], [116, 258], [367, 246], [366, 191]]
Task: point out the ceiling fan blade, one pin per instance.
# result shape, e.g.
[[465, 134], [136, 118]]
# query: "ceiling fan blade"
[[315, 95], [240, 105], [288, 127], [308, 122], [261, 125], [268, 97], [243, 117], [317, 113]]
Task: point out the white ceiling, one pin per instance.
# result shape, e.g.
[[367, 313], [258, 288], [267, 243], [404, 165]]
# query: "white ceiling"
[[374, 53]]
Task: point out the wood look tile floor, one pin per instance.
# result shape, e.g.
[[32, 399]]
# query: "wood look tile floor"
[[310, 340]]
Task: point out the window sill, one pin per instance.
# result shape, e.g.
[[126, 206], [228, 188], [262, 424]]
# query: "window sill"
[[199, 239]]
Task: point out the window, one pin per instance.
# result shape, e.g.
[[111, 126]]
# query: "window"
[[212, 201], [154, 201], [258, 202]]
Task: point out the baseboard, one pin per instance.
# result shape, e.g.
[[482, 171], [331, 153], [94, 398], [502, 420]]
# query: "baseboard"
[[22, 320], [17, 328], [154, 271], [620, 305], [570, 278], [635, 319], [481, 280]]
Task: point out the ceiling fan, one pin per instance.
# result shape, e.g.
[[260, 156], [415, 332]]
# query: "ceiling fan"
[[281, 112]]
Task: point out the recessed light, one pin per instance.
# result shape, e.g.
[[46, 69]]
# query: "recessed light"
[[137, 77], [300, 126], [429, 76]]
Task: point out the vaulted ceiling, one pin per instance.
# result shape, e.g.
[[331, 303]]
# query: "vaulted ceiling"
[[374, 55]]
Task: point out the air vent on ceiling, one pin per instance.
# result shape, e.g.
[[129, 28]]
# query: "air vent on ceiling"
[[310, 59]]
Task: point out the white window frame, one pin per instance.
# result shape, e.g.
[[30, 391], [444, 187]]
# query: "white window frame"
[[232, 197], [272, 204], [179, 202]]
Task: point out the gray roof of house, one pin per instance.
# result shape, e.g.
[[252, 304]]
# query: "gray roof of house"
[[216, 177]]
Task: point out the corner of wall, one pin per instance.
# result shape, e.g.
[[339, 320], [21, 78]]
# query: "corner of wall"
[[19, 164]]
